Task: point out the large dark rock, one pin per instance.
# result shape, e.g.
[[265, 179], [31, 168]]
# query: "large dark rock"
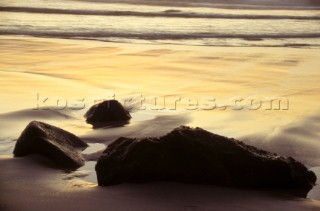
[[197, 156], [109, 112], [50, 141]]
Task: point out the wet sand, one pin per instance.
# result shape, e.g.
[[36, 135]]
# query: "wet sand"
[[27, 185], [32, 69]]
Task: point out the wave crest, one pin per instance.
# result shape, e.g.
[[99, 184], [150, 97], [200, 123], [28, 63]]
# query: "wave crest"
[[167, 14]]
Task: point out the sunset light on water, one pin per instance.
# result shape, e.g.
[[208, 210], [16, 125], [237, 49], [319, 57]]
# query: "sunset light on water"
[[247, 70]]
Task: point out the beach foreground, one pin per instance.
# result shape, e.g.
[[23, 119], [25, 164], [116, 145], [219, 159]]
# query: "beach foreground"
[[26, 185], [34, 69]]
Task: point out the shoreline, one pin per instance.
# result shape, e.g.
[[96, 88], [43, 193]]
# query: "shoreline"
[[146, 45]]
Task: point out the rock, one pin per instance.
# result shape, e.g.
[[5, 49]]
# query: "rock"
[[197, 156], [50, 141], [109, 112]]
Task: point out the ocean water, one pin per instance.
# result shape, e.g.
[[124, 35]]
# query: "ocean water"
[[182, 23]]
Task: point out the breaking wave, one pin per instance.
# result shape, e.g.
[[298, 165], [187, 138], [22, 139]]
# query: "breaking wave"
[[166, 13]]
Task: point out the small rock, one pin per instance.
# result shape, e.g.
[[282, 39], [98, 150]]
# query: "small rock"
[[50, 141], [109, 112]]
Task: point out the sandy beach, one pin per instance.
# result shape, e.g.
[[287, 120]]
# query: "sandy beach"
[[57, 80], [45, 188]]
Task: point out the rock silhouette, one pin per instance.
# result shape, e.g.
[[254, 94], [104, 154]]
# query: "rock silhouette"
[[197, 156], [109, 112], [52, 142]]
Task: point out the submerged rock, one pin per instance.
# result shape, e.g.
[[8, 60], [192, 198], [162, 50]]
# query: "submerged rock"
[[50, 141], [109, 112], [197, 156]]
